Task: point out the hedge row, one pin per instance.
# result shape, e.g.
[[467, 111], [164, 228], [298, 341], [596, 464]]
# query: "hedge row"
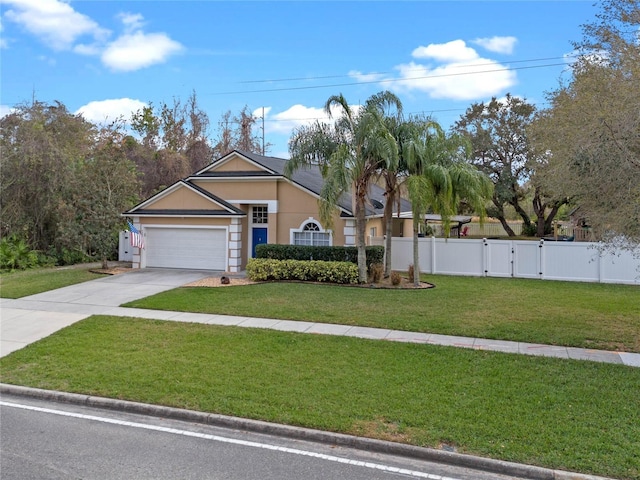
[[264, 269], [327, 254]]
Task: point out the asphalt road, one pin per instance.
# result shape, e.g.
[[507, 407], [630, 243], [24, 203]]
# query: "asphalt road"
[[47, 440]]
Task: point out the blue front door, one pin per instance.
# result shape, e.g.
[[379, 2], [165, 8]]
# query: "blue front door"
[[259, 236]]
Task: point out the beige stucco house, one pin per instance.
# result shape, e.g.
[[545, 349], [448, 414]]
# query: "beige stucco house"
[[214, 218]]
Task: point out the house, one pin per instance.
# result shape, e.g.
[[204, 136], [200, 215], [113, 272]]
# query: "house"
[[215, 218]]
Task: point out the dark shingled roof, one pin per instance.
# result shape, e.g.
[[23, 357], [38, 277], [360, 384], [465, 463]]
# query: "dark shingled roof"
[[309, 178], [165, 212]]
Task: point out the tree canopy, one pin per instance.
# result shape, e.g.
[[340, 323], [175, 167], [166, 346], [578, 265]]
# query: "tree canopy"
[[499, 135], [350, 153], [64, 181], [591, 132]]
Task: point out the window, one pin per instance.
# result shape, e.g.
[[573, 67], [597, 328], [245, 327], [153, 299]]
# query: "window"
[[260, 215], [311, 234]]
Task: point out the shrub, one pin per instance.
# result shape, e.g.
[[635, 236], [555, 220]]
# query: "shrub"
[[16, 254], [376, 271], [395, 278], [375, 254], [410, 272], [264, 269], [64, 256]]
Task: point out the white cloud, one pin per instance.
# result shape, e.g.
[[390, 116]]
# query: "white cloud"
[[131, 21], [298, 116], [366, 77], [452, 71], [456, 81], [497, 44], [59, 26], [3, 41], [105, 111], [5, 110], [294, 117], [454, 51], [55, 22], [139, 50]]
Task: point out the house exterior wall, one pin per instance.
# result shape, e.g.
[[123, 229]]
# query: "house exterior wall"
[[241, 191], [182, 198], [237, 164], [296, 206]]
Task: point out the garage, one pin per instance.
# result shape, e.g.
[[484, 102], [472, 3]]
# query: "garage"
[[196, 248]]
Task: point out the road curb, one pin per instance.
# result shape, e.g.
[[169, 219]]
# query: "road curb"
[[299, 433]]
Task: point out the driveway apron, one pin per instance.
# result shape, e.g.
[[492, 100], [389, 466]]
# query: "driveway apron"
[[28, 319]]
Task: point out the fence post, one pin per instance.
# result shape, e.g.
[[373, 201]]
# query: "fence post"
[[600, 265], [541, 265], [433, 255], [485, 260]]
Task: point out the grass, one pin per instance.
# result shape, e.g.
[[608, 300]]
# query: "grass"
[[569, 415], [29, 282], [587, 315]]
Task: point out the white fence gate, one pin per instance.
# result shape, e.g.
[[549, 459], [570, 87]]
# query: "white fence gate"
[[572, 261], [125, 250]]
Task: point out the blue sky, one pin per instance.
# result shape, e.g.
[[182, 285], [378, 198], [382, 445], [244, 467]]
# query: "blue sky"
[[109, 58]]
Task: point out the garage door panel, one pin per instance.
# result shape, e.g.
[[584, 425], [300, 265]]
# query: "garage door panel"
[[197, 248]]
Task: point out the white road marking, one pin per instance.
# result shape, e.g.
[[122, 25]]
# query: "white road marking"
[[217, 438]]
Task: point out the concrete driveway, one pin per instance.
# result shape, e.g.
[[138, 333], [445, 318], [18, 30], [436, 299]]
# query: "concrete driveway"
[[28, 319]]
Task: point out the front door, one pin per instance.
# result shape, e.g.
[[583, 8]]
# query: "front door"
[[259, 236]]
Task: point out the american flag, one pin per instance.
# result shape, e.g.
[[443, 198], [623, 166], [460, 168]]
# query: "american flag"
[[135, 238]]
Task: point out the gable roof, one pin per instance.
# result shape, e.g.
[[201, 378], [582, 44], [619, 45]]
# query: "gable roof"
[[219, 207], [308, 178]]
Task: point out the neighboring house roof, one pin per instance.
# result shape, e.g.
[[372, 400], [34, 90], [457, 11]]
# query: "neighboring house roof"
[[308, 178]]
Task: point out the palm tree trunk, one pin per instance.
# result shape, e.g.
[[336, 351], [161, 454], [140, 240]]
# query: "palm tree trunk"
[[360, 240], [416, 255], [388, 219]]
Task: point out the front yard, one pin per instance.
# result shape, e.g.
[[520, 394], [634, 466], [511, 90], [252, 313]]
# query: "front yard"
[[570, 415], [563, 414], [587, 315]]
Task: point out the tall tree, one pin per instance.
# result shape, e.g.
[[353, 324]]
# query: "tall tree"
[[106, 184], [350, 154], [591, 131], [173, 142], [41, 146], [238, 132], [64, 181], [498, 132]]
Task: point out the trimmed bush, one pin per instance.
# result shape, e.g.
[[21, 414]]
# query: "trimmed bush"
[[264, 269], [375, 254]]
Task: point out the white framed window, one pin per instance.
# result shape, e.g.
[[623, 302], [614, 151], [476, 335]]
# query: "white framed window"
[[311, 233], [260, 214]]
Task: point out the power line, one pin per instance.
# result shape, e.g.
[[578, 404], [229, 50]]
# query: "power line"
[[293, 79], [390, 80]]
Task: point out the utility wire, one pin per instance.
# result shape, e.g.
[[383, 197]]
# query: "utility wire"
[[390, 80], [293, 79]]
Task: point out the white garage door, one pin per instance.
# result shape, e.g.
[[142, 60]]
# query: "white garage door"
[[197, 248]]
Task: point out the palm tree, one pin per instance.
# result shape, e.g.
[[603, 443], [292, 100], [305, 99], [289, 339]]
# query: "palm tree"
[[350, 154], [439, 179]]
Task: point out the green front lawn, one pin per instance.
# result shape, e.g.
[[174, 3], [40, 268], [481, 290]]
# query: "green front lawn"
[[569, 415], [600, 316], [29, 282]]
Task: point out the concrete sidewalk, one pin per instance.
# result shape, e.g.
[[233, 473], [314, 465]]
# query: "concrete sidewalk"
[[31, 318]]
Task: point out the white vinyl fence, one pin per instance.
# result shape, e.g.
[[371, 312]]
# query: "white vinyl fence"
[[572, 261]]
